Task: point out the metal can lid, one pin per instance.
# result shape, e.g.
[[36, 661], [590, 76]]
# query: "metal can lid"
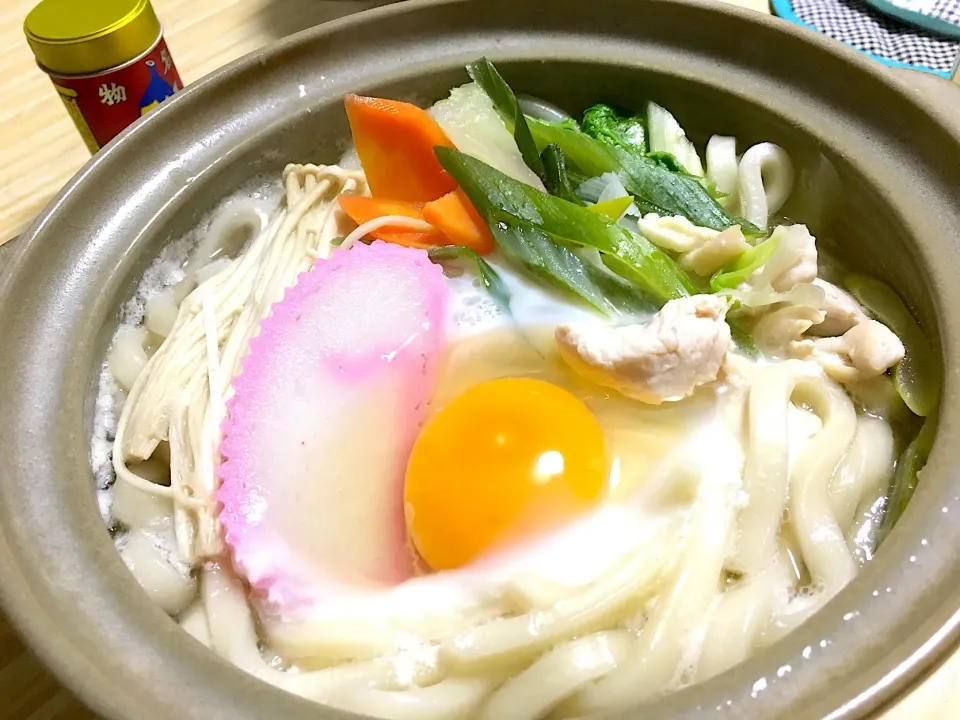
[[79, 38]]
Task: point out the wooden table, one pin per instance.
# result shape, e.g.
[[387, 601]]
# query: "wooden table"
[[40, 151], [39, 147]]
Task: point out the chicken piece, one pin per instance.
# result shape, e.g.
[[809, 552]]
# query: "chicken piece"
[[715, 252], [804, 269], [682, 347], [867, 350], [794, 262], [676, 234], [842, 311], [781, 332]]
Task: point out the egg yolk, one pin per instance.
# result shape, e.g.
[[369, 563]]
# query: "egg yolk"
[[506, 460]]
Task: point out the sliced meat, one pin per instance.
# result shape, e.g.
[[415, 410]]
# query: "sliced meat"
[[715, 252], [842, 311], [781, 332], [675, 233], [793, 263], [681, 348], [867, 350]]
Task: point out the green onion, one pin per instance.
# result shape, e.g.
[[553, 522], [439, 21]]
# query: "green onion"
[[659, 190], [612, 209], [906, 477], [587, 157], [742, 338], [488, 276], [651, 268], [671, 163], [655, 188], [496, 195], [551, 263], [505, 101], [556, 179], [619, 293], [745, 265]]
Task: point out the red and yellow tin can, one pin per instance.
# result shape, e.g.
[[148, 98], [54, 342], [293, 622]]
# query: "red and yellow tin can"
[[107, 60]]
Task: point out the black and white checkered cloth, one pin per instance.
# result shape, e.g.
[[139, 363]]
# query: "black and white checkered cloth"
[[946, 10], [859, 25]]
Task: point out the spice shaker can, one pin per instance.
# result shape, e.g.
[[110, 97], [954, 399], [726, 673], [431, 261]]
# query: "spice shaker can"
[[107, 60]]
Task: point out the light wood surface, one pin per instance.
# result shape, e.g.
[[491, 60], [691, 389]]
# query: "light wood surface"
[[40, 151], [39, 147]]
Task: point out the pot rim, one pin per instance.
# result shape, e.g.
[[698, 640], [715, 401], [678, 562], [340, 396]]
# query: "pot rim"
[[77, 664]]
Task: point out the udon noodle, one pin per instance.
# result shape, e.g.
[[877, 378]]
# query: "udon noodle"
[[754, 520]]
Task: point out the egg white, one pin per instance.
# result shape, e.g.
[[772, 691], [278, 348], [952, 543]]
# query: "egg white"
[[485, 342], [474, 311], [659, 458]]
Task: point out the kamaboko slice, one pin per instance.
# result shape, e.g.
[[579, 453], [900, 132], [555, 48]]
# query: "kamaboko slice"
[[326, 409]]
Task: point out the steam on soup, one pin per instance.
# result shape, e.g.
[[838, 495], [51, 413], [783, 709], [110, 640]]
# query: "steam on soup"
[[510, 417]]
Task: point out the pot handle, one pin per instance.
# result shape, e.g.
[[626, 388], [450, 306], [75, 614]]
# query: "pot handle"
[[942, 94]]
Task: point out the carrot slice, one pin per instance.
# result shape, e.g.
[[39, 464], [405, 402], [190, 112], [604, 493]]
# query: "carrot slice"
[[455, 216], [365, 209], [395, 142]]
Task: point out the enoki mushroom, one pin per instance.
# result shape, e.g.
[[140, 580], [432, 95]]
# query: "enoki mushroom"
[[181, 394]]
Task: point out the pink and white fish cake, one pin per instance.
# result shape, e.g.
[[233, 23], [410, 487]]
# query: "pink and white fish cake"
[[326, 408]]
